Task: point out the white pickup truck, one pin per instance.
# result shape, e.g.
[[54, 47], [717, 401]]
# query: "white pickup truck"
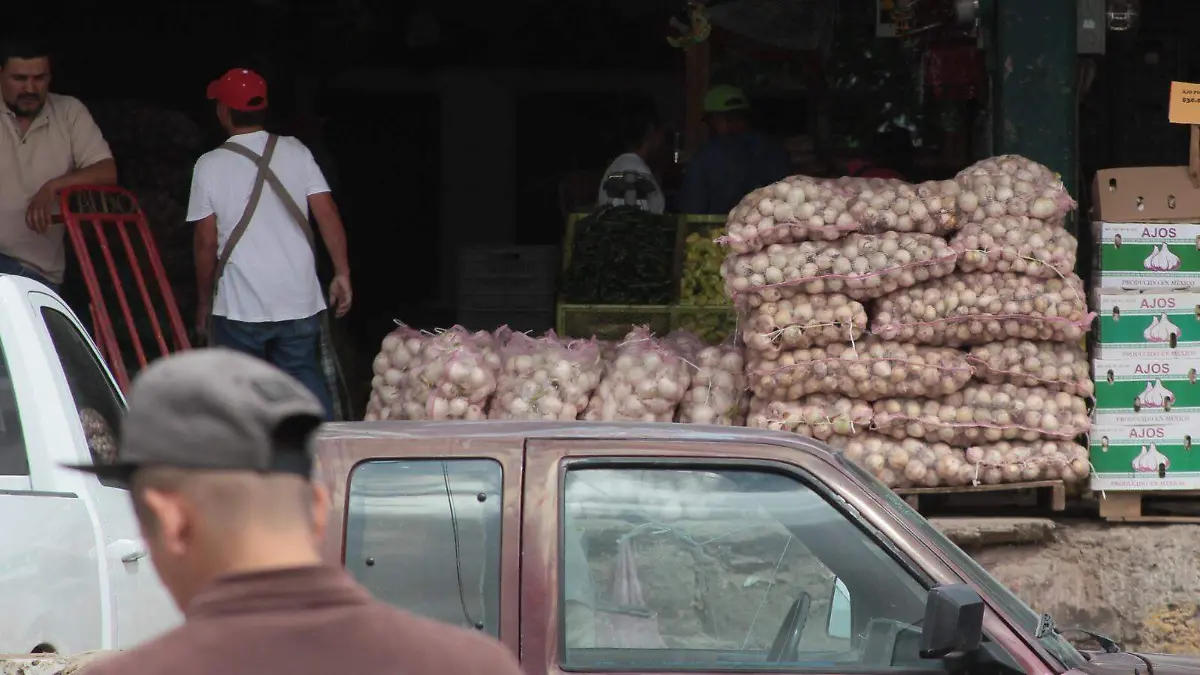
[[74, 572]]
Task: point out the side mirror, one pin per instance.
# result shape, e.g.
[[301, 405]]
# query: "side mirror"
[[953, 621], [837, 624]]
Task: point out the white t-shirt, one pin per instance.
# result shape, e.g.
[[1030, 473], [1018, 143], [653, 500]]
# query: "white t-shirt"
[[630, 161], [272, 275]]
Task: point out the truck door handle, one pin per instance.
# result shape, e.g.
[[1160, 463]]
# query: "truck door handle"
[[127, 550]]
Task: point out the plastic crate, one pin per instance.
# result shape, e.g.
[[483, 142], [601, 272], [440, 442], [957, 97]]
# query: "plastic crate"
[[508, 278], [536, 322], [611, 322]]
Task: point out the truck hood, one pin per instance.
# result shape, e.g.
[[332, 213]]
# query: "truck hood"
[[1142, 664]]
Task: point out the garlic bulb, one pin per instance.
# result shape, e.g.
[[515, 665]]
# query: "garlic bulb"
[[1161, 330], [1151, 261]]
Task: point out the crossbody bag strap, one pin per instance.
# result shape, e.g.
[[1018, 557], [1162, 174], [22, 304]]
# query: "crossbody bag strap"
[[263, 162], [298, 213]]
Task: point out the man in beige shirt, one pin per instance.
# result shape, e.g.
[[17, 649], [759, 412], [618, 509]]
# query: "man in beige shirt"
[[48, 142]]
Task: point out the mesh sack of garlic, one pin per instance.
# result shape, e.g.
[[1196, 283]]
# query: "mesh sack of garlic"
[[797, 208], [799, 320], [869, 369], [908, 462], [1016, 244], [862, 266], [644, 383], [890, 205], [1022, 462], [717, 392], [545, 378], [400, 351], [971, 308], [820, 416], [985, 413], [1011, 185], [1057, 366], [454, 377]]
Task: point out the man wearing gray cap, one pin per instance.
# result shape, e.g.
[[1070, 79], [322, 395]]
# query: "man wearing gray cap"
[[216, 449]]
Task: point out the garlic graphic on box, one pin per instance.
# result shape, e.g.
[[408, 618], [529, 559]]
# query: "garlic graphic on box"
[[1154, 459], [1139, 462], [1161, 259], [1155, 395], [1151, 261], [1161, 329]]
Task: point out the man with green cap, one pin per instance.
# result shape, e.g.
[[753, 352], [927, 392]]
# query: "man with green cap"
[[736, 159]]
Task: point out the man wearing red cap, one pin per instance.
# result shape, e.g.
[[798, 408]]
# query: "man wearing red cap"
[[255, 249]]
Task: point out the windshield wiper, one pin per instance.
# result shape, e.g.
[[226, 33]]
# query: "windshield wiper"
[[1106, 643], [1045, 626]]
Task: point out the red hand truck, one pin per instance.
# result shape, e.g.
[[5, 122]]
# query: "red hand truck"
[[105, 210]]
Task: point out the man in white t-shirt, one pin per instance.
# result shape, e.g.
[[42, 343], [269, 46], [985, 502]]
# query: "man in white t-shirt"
[[267, 299], [641, 139]]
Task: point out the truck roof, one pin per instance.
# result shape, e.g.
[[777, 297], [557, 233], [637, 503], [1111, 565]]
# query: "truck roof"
[[342, 432]]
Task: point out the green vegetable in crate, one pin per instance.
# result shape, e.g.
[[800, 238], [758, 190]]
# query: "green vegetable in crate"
[[622, 255], [702, 283]]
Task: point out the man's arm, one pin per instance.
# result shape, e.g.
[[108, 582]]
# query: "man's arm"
[[93, 161], [333, 233], [205, 242]]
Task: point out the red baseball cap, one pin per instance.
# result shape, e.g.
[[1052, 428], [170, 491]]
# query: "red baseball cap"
[[238, 89]]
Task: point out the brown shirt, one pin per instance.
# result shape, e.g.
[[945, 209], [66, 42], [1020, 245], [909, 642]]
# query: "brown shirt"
[[307, 620], [62, 138]]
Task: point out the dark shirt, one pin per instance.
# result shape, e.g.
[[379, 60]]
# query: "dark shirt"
[[728, 168], [313, 620]]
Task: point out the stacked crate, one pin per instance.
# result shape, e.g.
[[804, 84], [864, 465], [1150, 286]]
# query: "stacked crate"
[[1147, 351], [699, 305]]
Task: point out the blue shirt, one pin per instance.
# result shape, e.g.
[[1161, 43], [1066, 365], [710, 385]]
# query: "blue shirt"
[[728, 168]]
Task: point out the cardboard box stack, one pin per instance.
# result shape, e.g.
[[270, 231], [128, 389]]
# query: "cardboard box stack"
[[1146, 225]]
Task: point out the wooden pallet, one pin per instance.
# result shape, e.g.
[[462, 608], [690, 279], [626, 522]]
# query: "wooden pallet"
[[1127, 506], [1050, 493]]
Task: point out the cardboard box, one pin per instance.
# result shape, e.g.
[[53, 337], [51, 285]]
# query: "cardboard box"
[[1115, 449], [1146, 222], [1147, 324], [1147, 391]]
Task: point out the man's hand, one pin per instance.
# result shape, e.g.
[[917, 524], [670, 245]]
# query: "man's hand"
[[340, 295], [203, 312], [41, 209]]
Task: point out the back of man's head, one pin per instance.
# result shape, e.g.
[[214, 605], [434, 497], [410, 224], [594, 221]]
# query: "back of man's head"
[[216, 448]]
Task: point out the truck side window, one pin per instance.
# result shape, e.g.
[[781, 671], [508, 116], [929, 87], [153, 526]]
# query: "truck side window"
[[96, 399], [13, 460], [424, 535], [722, 570]]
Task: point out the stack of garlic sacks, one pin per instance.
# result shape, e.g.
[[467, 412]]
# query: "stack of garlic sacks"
[[932, 331]]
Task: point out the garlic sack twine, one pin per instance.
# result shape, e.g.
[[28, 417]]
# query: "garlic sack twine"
[[1016, 244], [821, 416]]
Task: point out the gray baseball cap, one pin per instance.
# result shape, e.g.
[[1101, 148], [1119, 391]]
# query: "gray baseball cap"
[[214, 409]]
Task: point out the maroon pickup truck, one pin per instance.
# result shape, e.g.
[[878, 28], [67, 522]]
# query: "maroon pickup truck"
[[667, 548]]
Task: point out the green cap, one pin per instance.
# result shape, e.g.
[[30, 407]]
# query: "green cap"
[[724, 98]]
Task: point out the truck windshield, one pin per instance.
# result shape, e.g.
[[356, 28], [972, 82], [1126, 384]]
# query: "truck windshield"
[[1013, 608]]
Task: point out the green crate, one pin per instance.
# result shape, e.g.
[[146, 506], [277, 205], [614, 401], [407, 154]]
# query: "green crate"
[[712, 324], [613, 322], [688, 225]]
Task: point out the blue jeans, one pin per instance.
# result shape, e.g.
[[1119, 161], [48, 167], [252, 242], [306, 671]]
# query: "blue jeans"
[[292, 346], [10, 265]]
